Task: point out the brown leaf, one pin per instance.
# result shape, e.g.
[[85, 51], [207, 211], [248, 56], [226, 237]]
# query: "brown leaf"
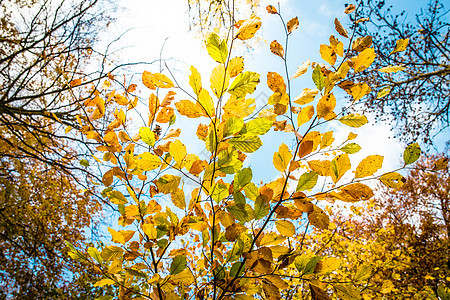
[[339, 28], [292, 24], [349, 9], [277, 49], [271, 9]]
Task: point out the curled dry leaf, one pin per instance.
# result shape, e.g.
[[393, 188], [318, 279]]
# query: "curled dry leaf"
[[339, 28], [302, 69], [292, 24], [277, 49], [350, 8], [271, 9]]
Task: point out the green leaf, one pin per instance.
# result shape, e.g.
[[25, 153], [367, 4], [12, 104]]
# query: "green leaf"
[[219, 192], [178, 264], [309, 268], [93, 252], [411, 153], [257, 126], [262, 207], [307, 181], [84, 162], [246, 143], [117, 197], [241, 212], [351, 148], [232, 126], [242, 178], [216, 48], [234, 269], [318, 78], [147, 136], [245, 83], [353, 120], [111, 253]]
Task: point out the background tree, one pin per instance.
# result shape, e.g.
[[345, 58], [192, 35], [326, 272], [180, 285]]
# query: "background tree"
[[46, 48], [399, 241], [413, 96], [40, 208]]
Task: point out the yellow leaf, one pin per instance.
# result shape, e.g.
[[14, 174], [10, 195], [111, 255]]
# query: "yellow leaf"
[[219, 80], [318, 218], [165, 115], [328, 54], [368, 166], [148, 161], [362, 43], [248, 29], [302, 69], [305, 115], [363, 60], [235, 66], [68, 129], [321, 167], [189, 109], [121, 236], [168, 183], [150, 231], [178, 151], [154, 80], [391, 69], [282, 158], [306, 96], [277, 49], [325, 107], [178, 198], [206, 102], [339, 28], [359, 90], [327, 139], [104, 281], [339, 165], [285, 228], [327, 265], [195, 80], [393, 180], [400, 45], [275, 82], [238, 107], [271, 239], [292, 24]]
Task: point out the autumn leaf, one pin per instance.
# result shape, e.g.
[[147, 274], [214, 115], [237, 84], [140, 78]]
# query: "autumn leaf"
[[368, 166], [248, 29], [292, 24], [363, 60], [271, 9], [339, 28], [307, 96], [328, 54], [349, 8], [245, 83], [301, 69], [411, 153], [391, 69], [354, 120], [277, 49], [307, 181], [216, 48], [339, 165], [305, 115], [393, 180], [285, 228], [282, 158], [400, 45], [235, 66]]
